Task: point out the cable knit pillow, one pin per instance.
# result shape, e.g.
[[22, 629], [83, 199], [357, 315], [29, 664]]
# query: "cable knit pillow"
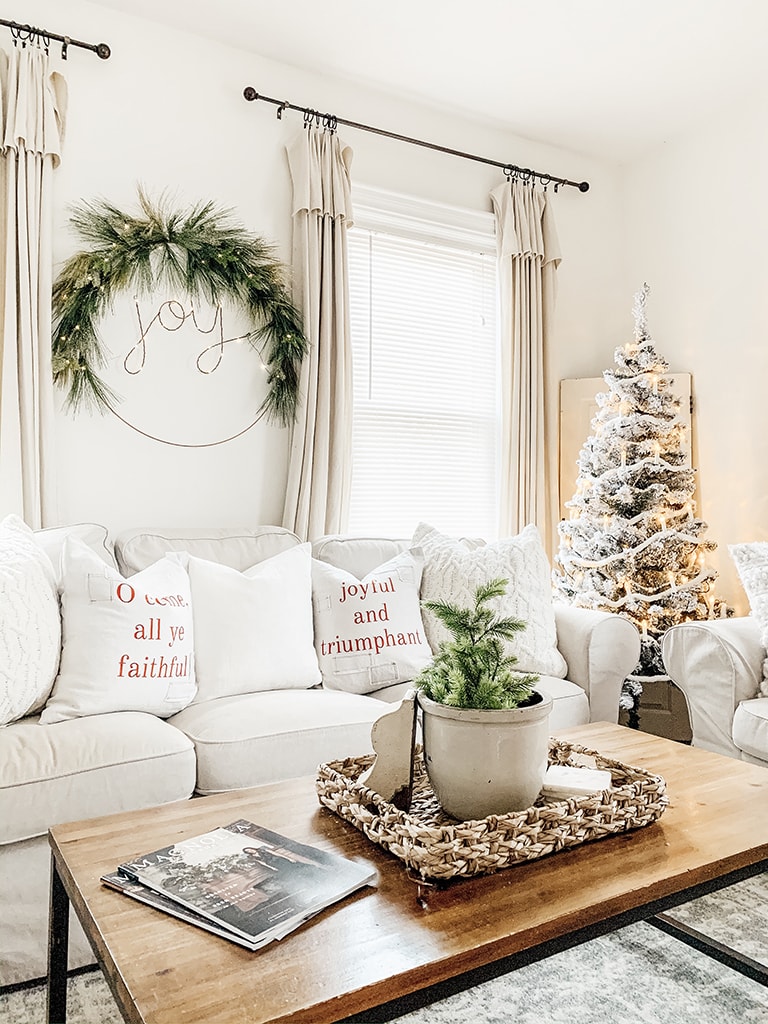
[[369, 632], [127, 645], [752, 565], [453, 569], [30, 626], [253, 629]]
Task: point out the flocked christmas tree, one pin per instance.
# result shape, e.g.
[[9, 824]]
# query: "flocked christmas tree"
[[633, 544]]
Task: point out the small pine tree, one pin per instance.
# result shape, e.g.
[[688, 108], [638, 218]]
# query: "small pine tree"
[[474, 669], [633, 544]]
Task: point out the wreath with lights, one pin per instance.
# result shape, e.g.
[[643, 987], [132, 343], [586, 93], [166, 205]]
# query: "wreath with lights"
[[201, 252]]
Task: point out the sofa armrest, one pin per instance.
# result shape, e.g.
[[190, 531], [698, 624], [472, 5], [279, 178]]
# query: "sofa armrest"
[[600, 650], [716, 663]]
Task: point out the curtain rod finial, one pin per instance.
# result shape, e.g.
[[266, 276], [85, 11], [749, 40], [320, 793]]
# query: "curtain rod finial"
[[103, 51], [250, 93], [584, 186]]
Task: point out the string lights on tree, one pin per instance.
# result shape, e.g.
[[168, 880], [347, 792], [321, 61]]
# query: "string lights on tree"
[[633, 543]]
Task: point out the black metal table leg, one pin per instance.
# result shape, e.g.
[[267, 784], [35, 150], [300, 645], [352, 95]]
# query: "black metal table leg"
[[711, 947], [58, 948]]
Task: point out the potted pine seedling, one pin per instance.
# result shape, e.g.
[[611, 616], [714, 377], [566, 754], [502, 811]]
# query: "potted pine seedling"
[[485, 726]]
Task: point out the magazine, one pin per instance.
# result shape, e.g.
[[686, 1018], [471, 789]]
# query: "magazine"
[[250, 881], [137, 891]]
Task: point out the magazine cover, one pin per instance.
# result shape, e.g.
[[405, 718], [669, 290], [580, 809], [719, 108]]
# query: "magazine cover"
[[254, 882]]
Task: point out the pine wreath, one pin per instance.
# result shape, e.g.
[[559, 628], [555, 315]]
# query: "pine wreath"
[[202, 252]]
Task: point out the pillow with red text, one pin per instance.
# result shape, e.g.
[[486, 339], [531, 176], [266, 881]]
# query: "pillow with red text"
[[127, 644], [369, 633]]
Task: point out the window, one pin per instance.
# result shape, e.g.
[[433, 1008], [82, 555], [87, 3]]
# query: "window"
[[426, 419]]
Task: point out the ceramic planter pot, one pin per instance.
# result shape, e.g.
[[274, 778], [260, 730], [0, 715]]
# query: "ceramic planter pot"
[[485, 762]]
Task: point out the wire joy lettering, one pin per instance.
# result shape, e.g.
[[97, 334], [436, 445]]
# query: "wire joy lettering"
[[171, 315]]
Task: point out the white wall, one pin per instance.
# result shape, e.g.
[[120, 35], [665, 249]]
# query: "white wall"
[[167, 110], [697, 227]]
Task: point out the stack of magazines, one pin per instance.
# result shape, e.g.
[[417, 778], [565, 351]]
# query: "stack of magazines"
[[241, 881]]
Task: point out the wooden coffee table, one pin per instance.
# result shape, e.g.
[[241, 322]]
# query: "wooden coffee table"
[[383, 951]]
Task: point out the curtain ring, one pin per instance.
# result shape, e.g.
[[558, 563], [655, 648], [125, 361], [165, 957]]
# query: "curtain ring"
[[508, 172], [280, 109], [65, 47], [308, 115]]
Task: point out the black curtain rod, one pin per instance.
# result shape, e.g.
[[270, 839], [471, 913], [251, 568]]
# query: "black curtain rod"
[[330, 121], [24, 33]]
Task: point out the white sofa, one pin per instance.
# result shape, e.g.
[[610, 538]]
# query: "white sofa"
[[718, 665], [107, 763]]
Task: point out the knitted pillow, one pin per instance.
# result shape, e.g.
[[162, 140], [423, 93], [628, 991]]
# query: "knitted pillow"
[[453, 570], [30, 626]]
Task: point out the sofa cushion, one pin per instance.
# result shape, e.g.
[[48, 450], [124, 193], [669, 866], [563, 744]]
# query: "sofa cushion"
[[126, 646], [253, 629], [453, 570], [358, 555], [30, 627], [264, 737], [239, 548], [369, 632], [750, 728], [52, 541], [570, 704], [752, 565], [87, 767]]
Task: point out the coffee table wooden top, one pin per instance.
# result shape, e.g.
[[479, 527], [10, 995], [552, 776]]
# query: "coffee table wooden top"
[[382, 943]]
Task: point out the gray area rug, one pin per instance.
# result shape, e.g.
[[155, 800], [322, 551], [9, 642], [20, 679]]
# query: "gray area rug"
[[637, 975]]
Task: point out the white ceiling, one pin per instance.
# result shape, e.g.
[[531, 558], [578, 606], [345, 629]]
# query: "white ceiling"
[[609, 78]]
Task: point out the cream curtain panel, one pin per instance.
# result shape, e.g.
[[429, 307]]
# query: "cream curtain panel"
[[528, 257], [33, 112], [317, 496]]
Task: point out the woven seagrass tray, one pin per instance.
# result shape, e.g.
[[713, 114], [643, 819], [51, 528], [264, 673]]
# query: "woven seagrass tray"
[[435, 846]]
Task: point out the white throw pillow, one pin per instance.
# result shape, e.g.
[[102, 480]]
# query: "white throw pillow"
[[752, 565], [127, 645], [30, 626], [453, 569], [369, 632], [253, 629]]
